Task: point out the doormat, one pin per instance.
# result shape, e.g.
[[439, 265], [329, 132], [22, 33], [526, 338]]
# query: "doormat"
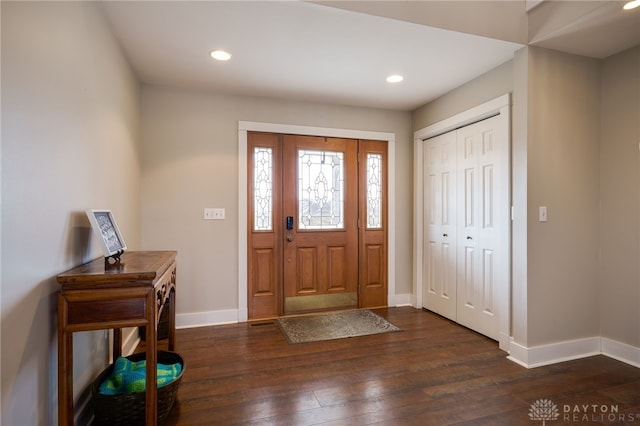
[[338, 325]]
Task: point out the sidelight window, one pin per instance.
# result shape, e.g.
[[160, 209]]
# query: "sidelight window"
[[374, 191], [263, 189]]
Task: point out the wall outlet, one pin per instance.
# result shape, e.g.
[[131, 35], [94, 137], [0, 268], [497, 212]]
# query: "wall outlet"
[[214, 214]]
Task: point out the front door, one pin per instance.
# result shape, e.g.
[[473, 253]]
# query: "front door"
[[317, 225], [321, 223]]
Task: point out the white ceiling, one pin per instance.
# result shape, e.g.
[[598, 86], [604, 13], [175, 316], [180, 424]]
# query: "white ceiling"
[[314, 52]]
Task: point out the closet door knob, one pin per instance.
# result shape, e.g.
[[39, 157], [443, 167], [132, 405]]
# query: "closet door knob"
[[445, 235], [469, 237]]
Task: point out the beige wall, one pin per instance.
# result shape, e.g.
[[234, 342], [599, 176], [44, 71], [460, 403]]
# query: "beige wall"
[[70, 141], [620, 198], [562, 174], [496, 82], [190, 161]]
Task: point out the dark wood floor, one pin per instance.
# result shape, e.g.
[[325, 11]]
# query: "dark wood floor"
[[432, 373]]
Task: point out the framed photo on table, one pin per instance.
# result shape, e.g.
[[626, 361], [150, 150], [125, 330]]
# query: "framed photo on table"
[[105, 227]]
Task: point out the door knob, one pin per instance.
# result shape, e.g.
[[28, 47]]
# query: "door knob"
[[289, 237], [445, 235]]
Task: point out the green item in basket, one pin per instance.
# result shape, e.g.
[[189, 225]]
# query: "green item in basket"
[[131, 377]]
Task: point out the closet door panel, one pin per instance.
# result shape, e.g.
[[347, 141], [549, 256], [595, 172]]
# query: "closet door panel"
[[483, 161], [439, 275]]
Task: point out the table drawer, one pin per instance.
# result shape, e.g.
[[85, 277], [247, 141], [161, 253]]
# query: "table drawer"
[[106, 311]]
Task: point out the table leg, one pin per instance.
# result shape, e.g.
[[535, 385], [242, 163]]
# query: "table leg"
[[151, 343], [172, 321], [65, 367], [117, 343]]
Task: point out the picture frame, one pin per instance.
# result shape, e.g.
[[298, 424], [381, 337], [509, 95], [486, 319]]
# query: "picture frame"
[[106, 228]]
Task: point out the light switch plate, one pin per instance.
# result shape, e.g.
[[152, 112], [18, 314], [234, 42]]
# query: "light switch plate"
[[542, 213], [214, 213]]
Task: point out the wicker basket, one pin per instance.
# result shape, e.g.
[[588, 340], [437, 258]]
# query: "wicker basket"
[[130, 409]]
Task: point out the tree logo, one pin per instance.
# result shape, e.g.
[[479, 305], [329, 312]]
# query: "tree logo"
[[543, 409]]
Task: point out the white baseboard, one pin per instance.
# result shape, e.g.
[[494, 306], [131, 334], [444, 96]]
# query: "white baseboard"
[[504, 341], [230, 316], [621, 351], [203, 319], [538, 356], [130, 340], [403, 300]]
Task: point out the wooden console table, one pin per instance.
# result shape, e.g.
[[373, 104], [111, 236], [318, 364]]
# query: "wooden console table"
[[98, 296]]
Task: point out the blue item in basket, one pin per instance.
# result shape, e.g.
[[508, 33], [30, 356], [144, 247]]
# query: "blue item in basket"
[[131, 377]]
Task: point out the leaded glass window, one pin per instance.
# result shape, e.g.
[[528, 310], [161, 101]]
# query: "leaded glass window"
[[374, 190], [263, 189], [321, 189]]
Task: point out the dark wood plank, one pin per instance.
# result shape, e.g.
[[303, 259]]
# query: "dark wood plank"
[[434, 372]]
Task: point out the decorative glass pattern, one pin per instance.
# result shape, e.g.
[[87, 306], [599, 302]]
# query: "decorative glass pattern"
[[321, 189], [262, 189], [374, 191]]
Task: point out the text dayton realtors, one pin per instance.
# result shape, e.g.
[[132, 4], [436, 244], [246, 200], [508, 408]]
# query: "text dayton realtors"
[[596, 413]]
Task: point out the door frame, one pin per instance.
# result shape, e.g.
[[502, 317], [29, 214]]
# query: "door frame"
[[500, 106], [249, 126]]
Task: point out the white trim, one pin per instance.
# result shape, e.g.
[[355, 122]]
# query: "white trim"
[[553, 353], [247, 126], [204, 319], [538, 356], [243, 310], [621, 351], [464, 118], [418, 223], [391, 212], [253, 126], [405, 299], [500, 105], [504, 341], [518, 354], [130, 342]]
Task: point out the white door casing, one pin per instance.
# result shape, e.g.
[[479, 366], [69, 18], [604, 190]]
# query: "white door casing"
[[483, 298]]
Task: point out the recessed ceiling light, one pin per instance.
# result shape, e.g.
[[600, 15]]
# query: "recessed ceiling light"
[[221, 55], [631, 5], [395, 78]]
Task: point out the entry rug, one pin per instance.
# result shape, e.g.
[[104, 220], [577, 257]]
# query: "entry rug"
[[338, 325]]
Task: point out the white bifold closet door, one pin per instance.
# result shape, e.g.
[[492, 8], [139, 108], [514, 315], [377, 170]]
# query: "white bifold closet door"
[[466, 217], [440, 219]]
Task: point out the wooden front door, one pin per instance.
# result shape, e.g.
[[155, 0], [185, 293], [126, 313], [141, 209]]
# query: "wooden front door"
[[317, 224], [320, 198]]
